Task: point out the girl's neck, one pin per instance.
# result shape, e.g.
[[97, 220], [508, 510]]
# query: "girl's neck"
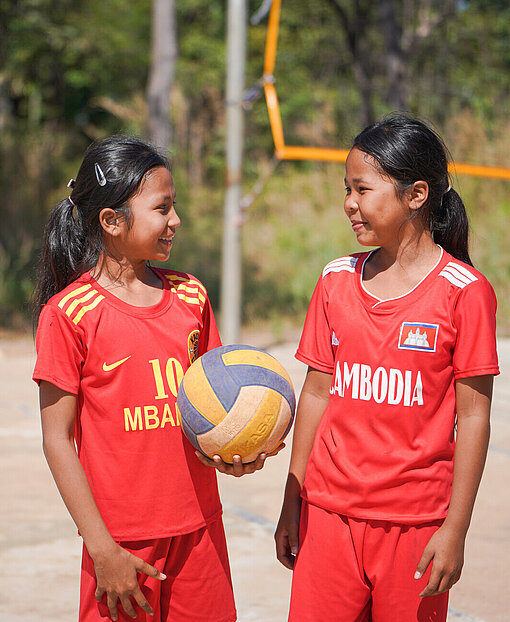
[[409, 254], [136, 284], [391, 273]]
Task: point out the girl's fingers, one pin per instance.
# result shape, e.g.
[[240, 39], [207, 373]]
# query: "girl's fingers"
[[142, 601], [433, 584], [150, 570], [127, 605], [276, 450], [237, 466], [283, 551], [99, 594], [423, 564], [259, 462], [112, 606]]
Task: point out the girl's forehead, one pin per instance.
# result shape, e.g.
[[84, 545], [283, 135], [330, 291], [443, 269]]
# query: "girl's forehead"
[[361, 165], [157, 179]]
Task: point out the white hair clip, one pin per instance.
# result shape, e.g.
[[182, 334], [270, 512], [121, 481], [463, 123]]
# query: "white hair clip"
[[101, 179], [70, 183]]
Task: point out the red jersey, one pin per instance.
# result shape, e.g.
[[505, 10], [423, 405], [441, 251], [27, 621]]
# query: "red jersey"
[[125, 364], [384, 446]]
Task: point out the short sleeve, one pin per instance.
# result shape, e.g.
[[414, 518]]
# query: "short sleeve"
[[475, 352], [60, 353], [315, 345], [209, 336]]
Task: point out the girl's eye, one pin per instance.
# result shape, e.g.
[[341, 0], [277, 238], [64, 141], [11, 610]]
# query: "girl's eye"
[[347, 190]]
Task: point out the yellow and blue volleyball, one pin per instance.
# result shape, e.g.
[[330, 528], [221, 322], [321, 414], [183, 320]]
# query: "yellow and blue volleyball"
[[236, 399]]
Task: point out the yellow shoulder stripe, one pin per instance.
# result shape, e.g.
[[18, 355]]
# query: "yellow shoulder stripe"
[[75, 292], [78, 301], [87, 308]]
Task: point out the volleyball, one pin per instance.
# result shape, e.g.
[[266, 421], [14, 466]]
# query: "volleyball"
[[236, 399]]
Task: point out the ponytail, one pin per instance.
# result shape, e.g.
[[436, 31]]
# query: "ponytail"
[[62, 255], [450, 227]]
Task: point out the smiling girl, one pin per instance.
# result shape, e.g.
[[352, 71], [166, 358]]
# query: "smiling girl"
[[392, 425], [114, 338]]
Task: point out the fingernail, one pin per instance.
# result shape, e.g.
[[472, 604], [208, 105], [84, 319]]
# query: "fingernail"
[[294, 550], [418, 575], [162, 576]]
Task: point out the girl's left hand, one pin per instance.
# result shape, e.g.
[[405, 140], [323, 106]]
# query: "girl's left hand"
[[446, 551], [238, 468]]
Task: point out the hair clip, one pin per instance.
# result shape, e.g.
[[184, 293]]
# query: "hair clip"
[[448, 189], [70, 183], [101, 179]]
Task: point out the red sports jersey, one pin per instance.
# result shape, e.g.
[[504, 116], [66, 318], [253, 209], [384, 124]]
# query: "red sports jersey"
[[125, 364], [384, 446]]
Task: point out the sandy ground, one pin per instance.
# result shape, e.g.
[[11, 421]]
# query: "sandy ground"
[[40, 551]]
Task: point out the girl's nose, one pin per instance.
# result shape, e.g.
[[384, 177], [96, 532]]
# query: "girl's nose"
[[173, 218], [350, 205]]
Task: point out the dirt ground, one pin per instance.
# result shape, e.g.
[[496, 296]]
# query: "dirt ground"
[[40, 551]]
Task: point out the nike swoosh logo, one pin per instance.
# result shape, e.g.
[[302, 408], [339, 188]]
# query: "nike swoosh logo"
[[107, 367]]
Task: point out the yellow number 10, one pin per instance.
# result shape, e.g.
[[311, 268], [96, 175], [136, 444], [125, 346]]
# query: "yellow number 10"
[[174, 375]]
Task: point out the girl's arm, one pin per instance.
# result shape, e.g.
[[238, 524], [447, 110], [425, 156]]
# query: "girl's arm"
[[312, 403], [446, 547], [115, 567]]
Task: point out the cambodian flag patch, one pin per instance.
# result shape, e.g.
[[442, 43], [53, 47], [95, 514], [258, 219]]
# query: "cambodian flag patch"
[[418, 336]]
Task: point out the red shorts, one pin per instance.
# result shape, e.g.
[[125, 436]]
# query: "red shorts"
[[198, 586], [350, 570]]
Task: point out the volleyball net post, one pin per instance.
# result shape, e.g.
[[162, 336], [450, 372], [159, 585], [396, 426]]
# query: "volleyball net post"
[[293, 152]]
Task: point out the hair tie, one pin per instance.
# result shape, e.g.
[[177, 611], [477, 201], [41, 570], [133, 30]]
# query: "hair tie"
[[447, 190], [72, 202], [70, 183], [101, 179]]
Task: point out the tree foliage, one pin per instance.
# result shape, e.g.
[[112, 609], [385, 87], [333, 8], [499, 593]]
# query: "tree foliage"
[[73, 72]]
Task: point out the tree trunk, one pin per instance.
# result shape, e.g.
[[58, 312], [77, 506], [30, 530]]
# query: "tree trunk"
[[355, 28], [397, 93], [162, 73]]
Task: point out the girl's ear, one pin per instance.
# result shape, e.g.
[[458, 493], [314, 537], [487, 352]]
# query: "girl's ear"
[[418, 194], [110, 221]]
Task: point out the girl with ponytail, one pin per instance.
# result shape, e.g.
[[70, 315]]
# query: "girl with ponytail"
[[114, 339], [392, 425]]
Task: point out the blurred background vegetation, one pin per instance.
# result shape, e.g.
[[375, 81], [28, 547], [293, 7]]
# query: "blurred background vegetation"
[[75, 71]]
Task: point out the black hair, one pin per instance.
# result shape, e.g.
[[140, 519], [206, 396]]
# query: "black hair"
[[109, 176], [407, 150]]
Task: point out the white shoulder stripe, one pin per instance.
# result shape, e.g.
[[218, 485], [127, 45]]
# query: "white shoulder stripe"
[[469, 275], [452, 279], [338, 265], [458, 275]]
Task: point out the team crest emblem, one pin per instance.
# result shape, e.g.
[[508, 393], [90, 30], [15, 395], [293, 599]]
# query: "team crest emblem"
[[193, 338], [418, 336]]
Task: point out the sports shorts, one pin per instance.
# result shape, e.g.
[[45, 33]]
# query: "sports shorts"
[[198, 586], [350, 570]]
